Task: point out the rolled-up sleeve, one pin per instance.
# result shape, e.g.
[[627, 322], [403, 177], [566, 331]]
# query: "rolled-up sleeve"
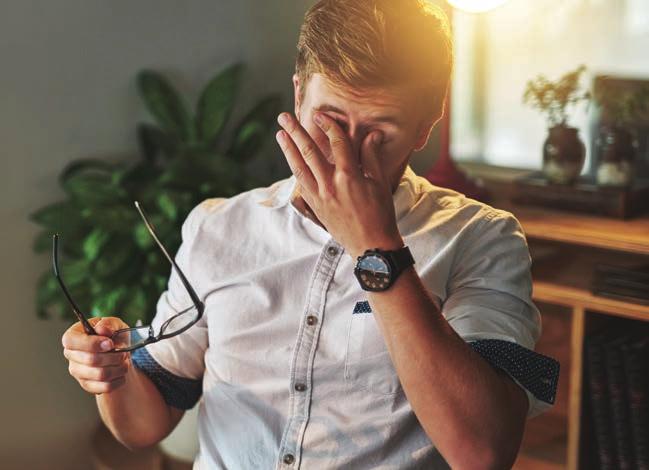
[[489, 304], [176, 365]]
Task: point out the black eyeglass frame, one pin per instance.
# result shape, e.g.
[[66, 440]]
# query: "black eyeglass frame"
[[152, 338]]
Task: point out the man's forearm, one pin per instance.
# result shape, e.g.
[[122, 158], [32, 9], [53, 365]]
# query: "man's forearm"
[[136, 413], [471, 411]]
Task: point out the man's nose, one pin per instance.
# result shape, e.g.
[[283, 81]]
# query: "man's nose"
[[356, 137]]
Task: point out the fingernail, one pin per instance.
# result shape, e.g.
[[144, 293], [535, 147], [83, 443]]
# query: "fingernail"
[[280, 137], [282, 119], [106, 345], [377, 138], [317, 118]]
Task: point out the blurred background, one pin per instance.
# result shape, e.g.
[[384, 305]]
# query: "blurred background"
[[71, 91]]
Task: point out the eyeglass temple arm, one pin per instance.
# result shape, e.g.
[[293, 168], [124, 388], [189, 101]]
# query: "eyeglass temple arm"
[[190, 290], [55, 264]]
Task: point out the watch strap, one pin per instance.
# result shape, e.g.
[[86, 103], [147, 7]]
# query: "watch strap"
[[401, 258]]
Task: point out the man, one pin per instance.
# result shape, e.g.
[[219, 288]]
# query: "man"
[[313, 353]]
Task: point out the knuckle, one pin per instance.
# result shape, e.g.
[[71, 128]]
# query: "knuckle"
[[337, 141], [327, 191], [308, 151], [115, 384], [94, 359], [104, 374], [298, 172]]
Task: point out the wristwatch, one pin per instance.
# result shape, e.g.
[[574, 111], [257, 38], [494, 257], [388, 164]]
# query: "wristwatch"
[[376, 269]]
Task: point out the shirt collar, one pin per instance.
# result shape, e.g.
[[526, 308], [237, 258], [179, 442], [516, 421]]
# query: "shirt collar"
[[404, 196]]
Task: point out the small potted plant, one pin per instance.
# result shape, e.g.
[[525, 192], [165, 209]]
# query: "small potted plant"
[[616, 144], [563, 150]]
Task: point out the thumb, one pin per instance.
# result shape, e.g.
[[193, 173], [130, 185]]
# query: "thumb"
[[370, 162], [109, 325]]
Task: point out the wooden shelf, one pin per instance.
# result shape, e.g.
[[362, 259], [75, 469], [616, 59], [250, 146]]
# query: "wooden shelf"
[[576, 297], [613, 234], [630, 235], [566, 247]]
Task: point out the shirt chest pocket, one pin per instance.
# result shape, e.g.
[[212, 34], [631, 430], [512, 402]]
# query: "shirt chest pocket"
[[368, 365]]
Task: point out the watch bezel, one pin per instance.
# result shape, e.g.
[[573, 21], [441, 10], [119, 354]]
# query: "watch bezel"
[[358, 271]]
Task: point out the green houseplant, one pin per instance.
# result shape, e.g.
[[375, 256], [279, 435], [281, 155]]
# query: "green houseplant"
[[110, 264], [563, 151], [621, 109]]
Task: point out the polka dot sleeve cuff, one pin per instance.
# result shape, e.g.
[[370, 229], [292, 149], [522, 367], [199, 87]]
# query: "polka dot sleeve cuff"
[[537, 373], [179, 392]]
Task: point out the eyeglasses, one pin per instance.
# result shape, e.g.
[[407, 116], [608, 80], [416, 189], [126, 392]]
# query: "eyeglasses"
[[129, 339]]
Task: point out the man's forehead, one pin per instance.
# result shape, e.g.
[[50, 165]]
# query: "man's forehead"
[[381, 104]]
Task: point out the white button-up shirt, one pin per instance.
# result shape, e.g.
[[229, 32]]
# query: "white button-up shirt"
[[288, 363]]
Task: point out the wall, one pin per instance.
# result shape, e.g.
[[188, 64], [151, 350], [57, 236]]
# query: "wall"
[[68, 90], [522, 39]]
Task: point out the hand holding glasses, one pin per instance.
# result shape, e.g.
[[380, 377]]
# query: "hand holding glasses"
[[129, 339]]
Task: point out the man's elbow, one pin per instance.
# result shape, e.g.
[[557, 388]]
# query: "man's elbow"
[[490, 458], [140, 442]]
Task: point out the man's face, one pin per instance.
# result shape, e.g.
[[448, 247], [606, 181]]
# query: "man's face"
[[392, 112]]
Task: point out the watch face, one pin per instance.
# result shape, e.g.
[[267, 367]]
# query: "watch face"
[[374, 272]]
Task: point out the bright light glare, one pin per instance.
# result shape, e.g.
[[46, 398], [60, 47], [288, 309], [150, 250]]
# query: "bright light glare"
[[476, 6]]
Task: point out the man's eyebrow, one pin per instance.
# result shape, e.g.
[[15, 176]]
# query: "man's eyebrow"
[[335, 109]]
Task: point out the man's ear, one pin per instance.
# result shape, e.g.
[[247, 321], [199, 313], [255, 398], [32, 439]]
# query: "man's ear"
[[296, 95], [423, 134]]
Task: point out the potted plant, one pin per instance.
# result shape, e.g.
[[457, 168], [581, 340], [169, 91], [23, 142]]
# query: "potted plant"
[[616, 145], [111, 264], [563, 150]]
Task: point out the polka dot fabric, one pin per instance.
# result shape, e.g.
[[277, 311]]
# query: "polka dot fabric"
[[179, 392], [362, 307], [536, 372]]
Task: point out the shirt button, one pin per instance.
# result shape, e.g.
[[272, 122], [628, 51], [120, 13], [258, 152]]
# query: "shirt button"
[[300, 387], [289, 459], [311, 320], [332, 250]]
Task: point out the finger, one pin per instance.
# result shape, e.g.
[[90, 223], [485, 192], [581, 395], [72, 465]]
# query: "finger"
[[95, 387], [94, 359], [298, 166], [80, 341], [341, 148], [307, 147], [99, 374], [109, 325], [370, 160]]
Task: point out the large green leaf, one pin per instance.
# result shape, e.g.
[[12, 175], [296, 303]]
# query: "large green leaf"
[[138, 179], [164, 104], [117, 218], [92, 189], [173, 203], [155, 142], [135, 307], [216, 102], [117, 253], [86, 165], [64, 215], [73, 271], [191, 172], [254, 128], [94, 243], [107, 305]]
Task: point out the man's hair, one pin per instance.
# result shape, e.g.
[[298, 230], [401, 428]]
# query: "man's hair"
[[361, 44]]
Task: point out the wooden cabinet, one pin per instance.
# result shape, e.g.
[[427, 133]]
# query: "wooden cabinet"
[[565, 249]]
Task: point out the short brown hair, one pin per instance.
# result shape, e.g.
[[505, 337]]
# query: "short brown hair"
[[378, 43]]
